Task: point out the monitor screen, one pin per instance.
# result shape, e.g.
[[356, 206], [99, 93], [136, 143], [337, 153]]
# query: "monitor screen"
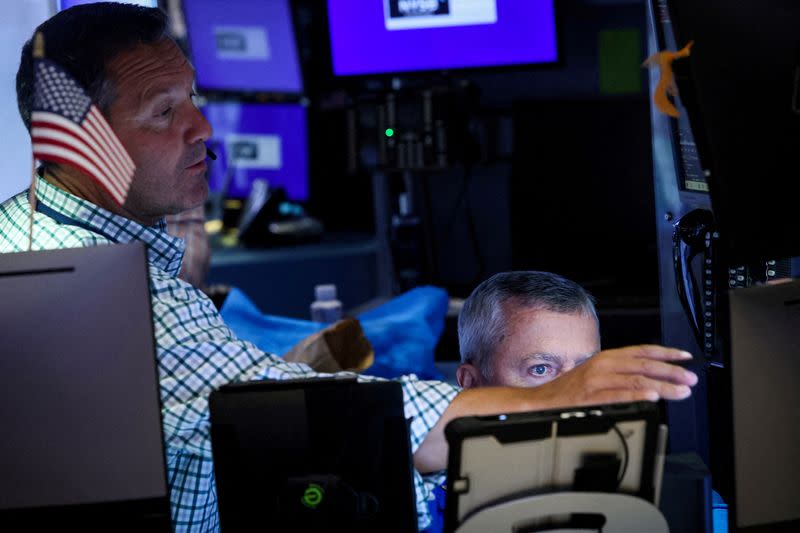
[[66, 4], [258, 141], [764, 397], [389, 36], [82, 435], [242, 45], [741, 88]]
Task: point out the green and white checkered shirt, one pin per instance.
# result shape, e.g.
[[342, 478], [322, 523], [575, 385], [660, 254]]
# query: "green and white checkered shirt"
[[196, 350]]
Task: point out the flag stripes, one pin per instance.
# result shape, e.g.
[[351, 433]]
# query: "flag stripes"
[[67, 128]]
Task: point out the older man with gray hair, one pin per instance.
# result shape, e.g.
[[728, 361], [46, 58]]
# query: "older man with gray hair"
[[525, 328]]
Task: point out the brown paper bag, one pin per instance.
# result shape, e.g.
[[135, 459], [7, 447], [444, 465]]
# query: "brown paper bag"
[[340, 346]]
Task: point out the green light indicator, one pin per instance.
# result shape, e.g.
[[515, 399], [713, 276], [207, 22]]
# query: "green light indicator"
[[313, 495], [389, 132]]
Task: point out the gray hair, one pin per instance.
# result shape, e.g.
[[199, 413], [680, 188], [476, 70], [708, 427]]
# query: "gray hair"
[[482, 320]]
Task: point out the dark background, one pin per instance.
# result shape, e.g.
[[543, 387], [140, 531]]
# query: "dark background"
[[554, 171]]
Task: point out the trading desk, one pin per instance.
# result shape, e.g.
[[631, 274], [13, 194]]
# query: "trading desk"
[[281, 280]]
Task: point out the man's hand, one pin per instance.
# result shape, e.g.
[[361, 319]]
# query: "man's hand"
[[629, 374], [624, 375]]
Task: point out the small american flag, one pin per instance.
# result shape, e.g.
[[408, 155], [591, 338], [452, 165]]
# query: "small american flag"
[[66, 127]]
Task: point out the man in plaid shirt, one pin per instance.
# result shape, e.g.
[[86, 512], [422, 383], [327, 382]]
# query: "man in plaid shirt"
[[142, 83]]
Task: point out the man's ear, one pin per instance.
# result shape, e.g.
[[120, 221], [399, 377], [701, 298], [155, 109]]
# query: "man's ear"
[[467, 376]]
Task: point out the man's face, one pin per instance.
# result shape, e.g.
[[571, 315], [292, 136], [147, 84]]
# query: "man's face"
[[539, 346], [155, 118]]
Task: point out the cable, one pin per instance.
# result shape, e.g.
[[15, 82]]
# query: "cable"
[[431, 242], [462, 193], [475, 241], [463, 199], [625, 458]]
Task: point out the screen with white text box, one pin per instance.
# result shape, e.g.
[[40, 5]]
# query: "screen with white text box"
[[389, 36]]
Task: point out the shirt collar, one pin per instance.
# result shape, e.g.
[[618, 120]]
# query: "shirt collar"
[[163, 250]]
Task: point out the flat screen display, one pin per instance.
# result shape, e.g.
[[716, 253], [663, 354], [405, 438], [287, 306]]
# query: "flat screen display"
[[243, 45], [750, 155], [82, 433], [258, 141], [388, 36]]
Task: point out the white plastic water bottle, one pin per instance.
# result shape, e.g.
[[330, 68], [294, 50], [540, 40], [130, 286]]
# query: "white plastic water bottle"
[[326, 308]]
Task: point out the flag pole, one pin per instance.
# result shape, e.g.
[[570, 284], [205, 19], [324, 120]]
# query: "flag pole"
[[38, 53]]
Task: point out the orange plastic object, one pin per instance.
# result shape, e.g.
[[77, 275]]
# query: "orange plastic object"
[[666, 85]]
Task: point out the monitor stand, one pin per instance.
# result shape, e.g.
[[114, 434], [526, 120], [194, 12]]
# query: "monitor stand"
[[590, 511]]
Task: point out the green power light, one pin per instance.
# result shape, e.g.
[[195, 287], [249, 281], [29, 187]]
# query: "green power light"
[[389, 132], [313, 495]]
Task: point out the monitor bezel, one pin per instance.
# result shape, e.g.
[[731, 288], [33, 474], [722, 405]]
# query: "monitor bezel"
[[379, 80], [251, 95]]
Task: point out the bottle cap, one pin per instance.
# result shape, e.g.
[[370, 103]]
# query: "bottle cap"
[[325, 292]]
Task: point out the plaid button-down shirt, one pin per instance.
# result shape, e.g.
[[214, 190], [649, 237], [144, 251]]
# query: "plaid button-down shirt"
[[189, 225], [196, 350]]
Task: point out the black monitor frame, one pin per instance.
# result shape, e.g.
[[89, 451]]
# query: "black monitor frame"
[[739, 87], [78, 326], [248, 95], [387, 81]]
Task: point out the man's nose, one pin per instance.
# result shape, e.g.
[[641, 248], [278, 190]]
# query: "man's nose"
[[200, 129]]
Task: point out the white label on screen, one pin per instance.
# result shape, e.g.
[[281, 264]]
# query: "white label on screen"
[[254, 151], [242, 42], [417, 14]]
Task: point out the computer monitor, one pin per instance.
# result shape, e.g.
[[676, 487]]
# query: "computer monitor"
[[328, 454], [82, 444], [741, 87], [258, 141], [764, 447], [392, 36], [243, 45], [66, 4]]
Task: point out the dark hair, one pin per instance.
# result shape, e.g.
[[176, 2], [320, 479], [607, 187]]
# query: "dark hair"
[[481, 322], [83, 39]]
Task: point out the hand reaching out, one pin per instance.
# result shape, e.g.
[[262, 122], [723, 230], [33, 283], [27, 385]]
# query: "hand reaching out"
[[622, 375], [634, 373]]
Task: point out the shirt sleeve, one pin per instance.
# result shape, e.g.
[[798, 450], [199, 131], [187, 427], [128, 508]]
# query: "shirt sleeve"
[[425, 401], [197, 353]]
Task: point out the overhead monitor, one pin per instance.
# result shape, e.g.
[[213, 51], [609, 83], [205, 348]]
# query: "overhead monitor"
[[258, 141], [393, 36], [66, 4], [243, 45]]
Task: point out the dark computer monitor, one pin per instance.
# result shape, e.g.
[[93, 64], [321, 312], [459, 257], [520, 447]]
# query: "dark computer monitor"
[[259, 141], [391, 36], [66, 4], [764, 446], [741, 87], [243, 45], [82, 445], [327, 454], [735, 152]]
